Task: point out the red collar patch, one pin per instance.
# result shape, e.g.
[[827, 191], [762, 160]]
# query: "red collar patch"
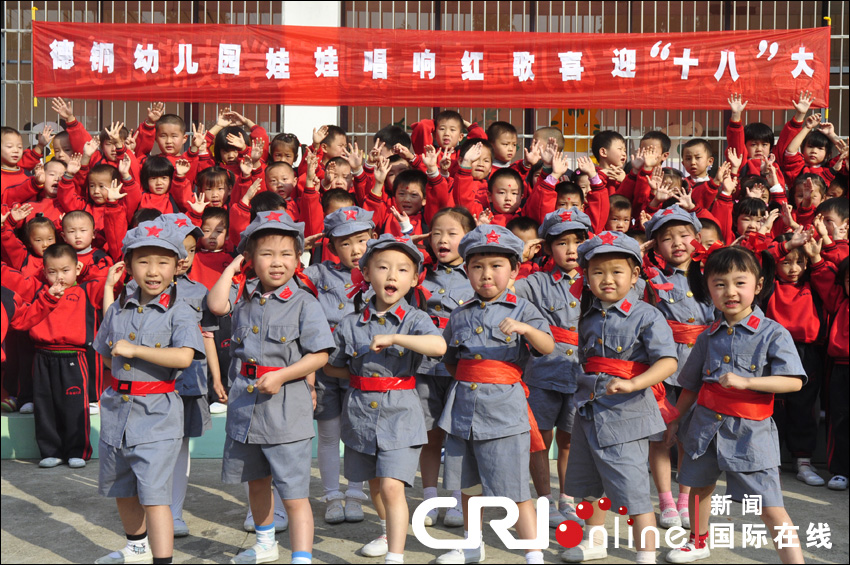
[[274, 216], [181, 222], [154, 231], [366, 314], [400, 312], [164, 300], [607, 238], [714, 326], [287, 292], [493, 237], [557, 274], [350, 214], [625, 306], [510, 298], [754, 322]]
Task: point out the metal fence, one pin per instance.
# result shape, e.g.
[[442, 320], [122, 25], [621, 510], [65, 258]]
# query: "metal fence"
[[578, 124]]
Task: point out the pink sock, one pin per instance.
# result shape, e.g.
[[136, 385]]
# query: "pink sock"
[[682, 502], [665, 500]]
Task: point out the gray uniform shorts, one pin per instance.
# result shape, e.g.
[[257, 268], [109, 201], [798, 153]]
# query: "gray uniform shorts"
[[330, 392], [287, 463], [400, 464], [499, 465], [552, 409], [144, 470], [433, 391]]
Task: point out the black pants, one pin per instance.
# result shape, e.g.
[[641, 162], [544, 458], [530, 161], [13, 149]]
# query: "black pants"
[[838, 412], [796, 413], [222, 347], [95, 374], [60, 395]]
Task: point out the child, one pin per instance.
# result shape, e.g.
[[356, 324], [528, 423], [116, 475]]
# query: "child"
[[212, 257], [753, 143], [475, 160], [552, 379], [731, 375], [11, 151], [831, 222], [448, 285], [348, 230], [625, 348], [526, 228], [40, 191], [269, 430], [673, 231], [619, 214], [39, 234], [697, 159], [504, 190], [215, 183], [284, 147], [146, 334], [487, 418], [78, 232], [165, 185], [809, 146], [709, 233], [609, 149], [379, 350], [503, 138], [445, 132]]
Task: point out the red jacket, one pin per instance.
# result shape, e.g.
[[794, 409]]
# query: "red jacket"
[[17, 311], [208, 266], [837, 303], [793, 306]]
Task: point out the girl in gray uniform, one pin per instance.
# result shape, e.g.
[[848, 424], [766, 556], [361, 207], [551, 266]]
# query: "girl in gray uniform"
[[146, 336], [379, 350]]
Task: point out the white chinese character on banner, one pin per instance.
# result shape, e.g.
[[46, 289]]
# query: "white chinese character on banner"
[[228, 58], [62, 53], [277, 63], [819, 536], [754, 535], [571, 68], [147, 58], [425, 62], [751, 504], [727, 58], [685, 62], [801, 56], [102, 57], [523, 60], [470, 66], [326, 62], [722, 535], [625, 61], [721, 504], [785, 535], [185, 61], [375, 61]]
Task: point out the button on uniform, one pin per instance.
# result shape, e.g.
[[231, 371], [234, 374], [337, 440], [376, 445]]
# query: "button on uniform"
[[473, 386], [373, 405], [341, 305], [726, 358], [256, 329], [718, 417], [126, 366], [477, 357], [730, 331], [283, 339], [250, 388], [132, 336], [262, 301], [125, 398], [479, 329], [140, 309], [382, 321], [573, 304]]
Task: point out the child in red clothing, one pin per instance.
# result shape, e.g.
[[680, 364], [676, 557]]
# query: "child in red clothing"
[[11, 151], [753, 143], [166, 187], [503, 137], [39, 234], [619, 214], [212, 257], [216, 184], [285, 147], [78, 232], [40, 190], [609, 149], [478, 165], [831, 224]]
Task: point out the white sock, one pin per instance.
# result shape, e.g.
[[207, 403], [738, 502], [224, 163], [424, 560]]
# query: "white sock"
[[429, 492], [355, 488], [645, 557], [598, 537], [265, 535], [394, 557], [534, 557], [278, 503], [180, 482], [138, 546], [327, 453], [480, 540], [383, 527]]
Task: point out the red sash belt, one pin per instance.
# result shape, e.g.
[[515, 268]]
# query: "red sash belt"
[[564, 336], [382, 384], [253, 371], [749, 404], [138, 388], [628, 370], [685, 333], [499, 373]]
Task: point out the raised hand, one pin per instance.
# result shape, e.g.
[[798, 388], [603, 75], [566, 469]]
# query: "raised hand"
[[615, 172], [236, 141], [484, 218], [199, 138], [113, 192], [767, 223], [90, 147], [74, 164], [155, 112], [246, 166], [199, 203], [724, 170], [559, 164], [114, 133], [430, 158], [533, 154], [124, 166], [251, 192], [130, 142], [21, 212], [547, 153], [400, 216], [656, 179], [446, 159], [38, 174], [311, 240], [651, 156], [684, 198], [472, 155], [737, 105], [400, 149], [319, 134], [46, 136], [803, 104], [353, 156], [812, 248], [375, 152], [586, 166], [223, 119], [115, 274], [63, 108], [257, 146], [182, 167], [637, 159], [828, 129], [813, 121], [734, 159], [382, 169]]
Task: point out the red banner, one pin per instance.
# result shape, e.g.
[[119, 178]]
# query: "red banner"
[[370, 67]]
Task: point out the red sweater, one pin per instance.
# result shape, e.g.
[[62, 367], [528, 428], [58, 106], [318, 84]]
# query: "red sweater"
[[208, 266], [837, 303], [793, 306], [17, 312]]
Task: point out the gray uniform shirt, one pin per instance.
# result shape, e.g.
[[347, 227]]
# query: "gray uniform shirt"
[[449, 288]]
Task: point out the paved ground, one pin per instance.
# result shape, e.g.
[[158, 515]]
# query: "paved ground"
[[56, 516]]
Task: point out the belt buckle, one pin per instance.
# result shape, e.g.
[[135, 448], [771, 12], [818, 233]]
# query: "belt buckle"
[[124, 386], [251, 370]]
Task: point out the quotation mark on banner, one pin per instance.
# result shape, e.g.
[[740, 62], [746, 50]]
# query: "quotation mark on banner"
[[774, 49], [569, 533]]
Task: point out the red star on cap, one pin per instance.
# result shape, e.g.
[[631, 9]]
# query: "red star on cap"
[[181, 222], [667, 212], [493, 237], [274, 216], [607, 237], [401, 239], [566, 216], [350, 214], [154, 231]]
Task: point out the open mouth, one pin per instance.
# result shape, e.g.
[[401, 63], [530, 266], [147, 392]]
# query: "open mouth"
[[443, 250], [390, 290], [153, 284]]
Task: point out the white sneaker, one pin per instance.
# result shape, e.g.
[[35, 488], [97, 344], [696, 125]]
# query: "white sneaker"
[[76, 463], [688, 554], [582, 552], [555, 516], [181, 530], [685, 516], [127, 555], [376, 548], [454, 517], [568, 511], [807, 473], [463, 555], [669, 518], [838, 482], [218, 408], [257, 554], [27, 408], [49, 462], [431, 517], [94, 408], [334, 512]]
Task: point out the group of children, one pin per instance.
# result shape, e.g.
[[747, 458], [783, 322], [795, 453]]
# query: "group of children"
[[433, 302]]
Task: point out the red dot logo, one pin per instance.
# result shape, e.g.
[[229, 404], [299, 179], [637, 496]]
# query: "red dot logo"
[[584, 510], [569, 533], [622, 510], [604, 503], [630, 522]]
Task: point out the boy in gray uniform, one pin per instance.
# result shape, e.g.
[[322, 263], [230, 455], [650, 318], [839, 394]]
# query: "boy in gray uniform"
[[146, 336]]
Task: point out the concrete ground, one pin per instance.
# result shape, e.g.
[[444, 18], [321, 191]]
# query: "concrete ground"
[[56, 516]]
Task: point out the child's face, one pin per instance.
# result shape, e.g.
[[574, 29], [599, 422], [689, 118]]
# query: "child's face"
[[505, 195], [835, 226], [489, 275], [696, 161], [800, 196], [191, 244], [746, 224], [215, 233], [62, 148], [275, 259], [109, 150], [610, 279], [53, 171], [395, 170], [11, 149], [98, 187], [505, 147], [78, 233], [341, 177], [217, 193], [708, 236], [757, 149], [283, 153], [41, 237], [647, 143], [335, 148], [564, 250], [281, 180], [159, 185], [835, 190], [62, 270], [482, 166], [170, 138], [570, 200], [524, 235], [614, 154], [446, 233], [448, 133], [351, 248], [733, 293], [673, 243], [410, 199], [619, 220], [392, 274], [153, 269], [791, 267], [813, 156]]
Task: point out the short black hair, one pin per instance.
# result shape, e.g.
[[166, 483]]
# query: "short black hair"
[[410, 177], [216, 213], [6, 130], [77, 214], [145, 215], [839, 206], [122, 133], [708, 223], [565, 188], [459, 213], [761, 132], [817, 138], [523, 223], [171, 119], [211, 175], [728, 259], [660, 137], [505, 172], [333, 133], [39, 221], [338, 195], [620, 203], [698, 142], [448, 115], [603, 140], [749, 207], [393, 134], [499, 128], [58, 250], [104, 169], [283, 164], [266, 201], [155, 167]]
